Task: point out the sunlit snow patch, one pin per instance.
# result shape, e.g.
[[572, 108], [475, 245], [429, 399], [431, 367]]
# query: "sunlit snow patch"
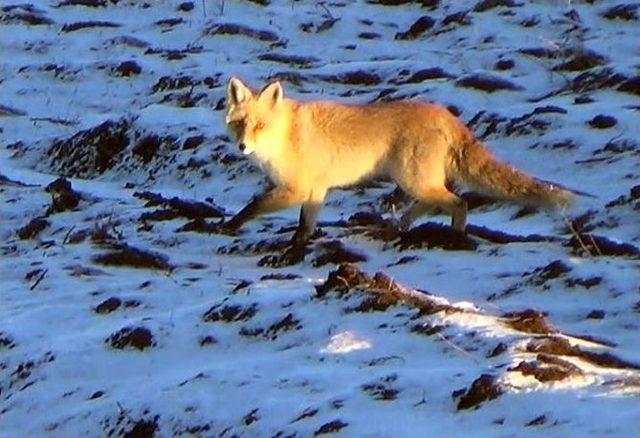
[[345, 342]]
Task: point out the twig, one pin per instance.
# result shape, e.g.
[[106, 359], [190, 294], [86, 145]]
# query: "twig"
[[423, 400], [326, 9], [343, 281], [461, 350], [124, 412], [66, 236], [55, 121], [595, 245], [33, 286], [575, 233]]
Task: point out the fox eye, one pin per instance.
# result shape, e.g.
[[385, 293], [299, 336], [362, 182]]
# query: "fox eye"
[[259, 126]]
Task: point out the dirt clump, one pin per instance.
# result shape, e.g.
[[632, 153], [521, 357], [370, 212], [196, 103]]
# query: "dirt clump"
[[139, 338], [485, 387]]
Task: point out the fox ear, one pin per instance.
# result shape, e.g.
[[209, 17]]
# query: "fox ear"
[[272, 93], [237, 92]]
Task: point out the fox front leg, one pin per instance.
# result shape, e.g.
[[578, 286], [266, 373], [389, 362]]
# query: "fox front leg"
[[306, 227], [274, 200], [307, 223]]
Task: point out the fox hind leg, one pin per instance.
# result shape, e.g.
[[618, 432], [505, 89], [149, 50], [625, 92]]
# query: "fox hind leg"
[[306, 227], [430, 200]]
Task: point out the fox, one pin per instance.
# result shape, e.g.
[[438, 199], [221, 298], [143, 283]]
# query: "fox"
[[308, 148]]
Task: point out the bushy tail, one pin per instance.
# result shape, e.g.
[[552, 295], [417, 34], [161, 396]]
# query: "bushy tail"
[[479, 169]]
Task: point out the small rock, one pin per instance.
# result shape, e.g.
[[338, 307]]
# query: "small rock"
[[33, 228], [193, 142], [596, 314], [108, 305], [186, 6], [603, 122], [420, 26], [488, 83], [631, 85], [623, 12], [483, 388], [138, 338], [505, 64]]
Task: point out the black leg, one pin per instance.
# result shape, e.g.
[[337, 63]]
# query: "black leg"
[[307, 222], [306, 226]]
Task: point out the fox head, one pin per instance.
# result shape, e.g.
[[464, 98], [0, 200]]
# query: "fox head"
[[255, 119]]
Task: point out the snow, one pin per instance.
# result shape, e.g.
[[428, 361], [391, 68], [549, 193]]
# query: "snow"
[[302, 361]]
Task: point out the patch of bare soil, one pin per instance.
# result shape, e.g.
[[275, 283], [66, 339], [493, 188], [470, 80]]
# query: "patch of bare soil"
[[487, 83], [242, 30], [85, 3], [109, 305], [6, 341], [485, 387], [382, 389], [292, 60], [358, 77], [73, 27], [547, 368], [381, 291], [331, 427], [240, 247], [420, 26], [426, 74], [273, 331], [33, 228], [24, 14], [592, 245], [280, 277], [230, 313], [335, 252], [623, 11], [595, 79], [423, 3], [286, 324], [432, 235], [528, 321], [123, 255], [555, 269], [114, 303], [197, 225], [128, 426], [63, 197], [128, 68], [139, 338], [495, 236], [90, 152], [179, 207], [485, 5], [557, 346], [631, 85]]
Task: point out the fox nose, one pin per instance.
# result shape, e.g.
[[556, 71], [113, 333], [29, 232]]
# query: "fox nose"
[[242, 147]]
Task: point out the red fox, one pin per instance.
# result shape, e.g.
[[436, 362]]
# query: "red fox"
[[310, 147]]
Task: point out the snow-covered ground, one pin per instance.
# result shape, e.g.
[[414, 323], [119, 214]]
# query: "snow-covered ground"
[[126, 97]]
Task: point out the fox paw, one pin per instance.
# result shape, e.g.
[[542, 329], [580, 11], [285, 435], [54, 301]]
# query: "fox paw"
[[291, 256], [223, 228]]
